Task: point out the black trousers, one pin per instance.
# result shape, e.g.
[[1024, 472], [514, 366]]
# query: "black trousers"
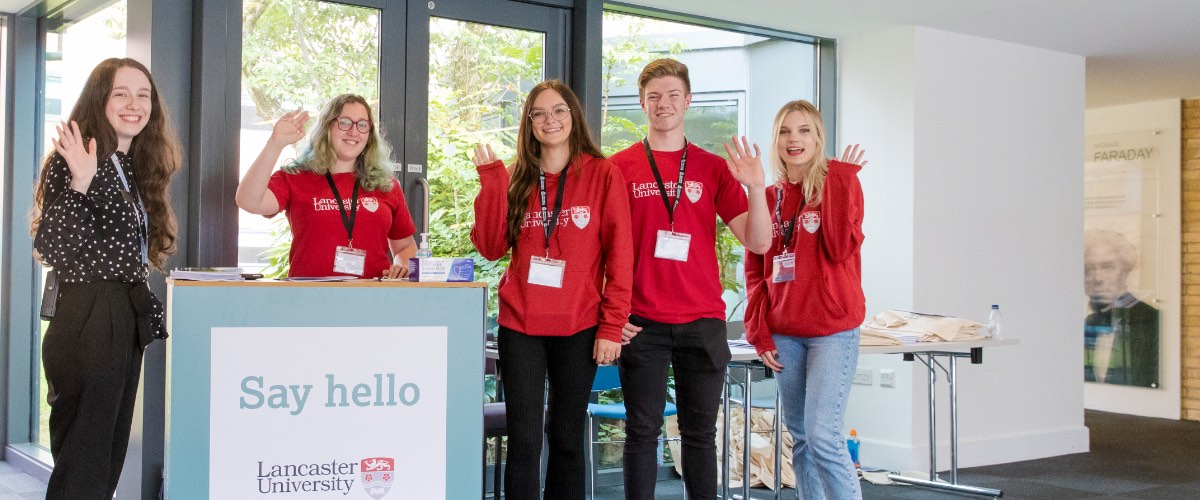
[[526, 363], [698, 352], [92, 362]]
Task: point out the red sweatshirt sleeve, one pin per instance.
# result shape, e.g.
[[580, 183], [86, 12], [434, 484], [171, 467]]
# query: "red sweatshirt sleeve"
[[617, 245], [842, 211], [491, 212], [757, 304]]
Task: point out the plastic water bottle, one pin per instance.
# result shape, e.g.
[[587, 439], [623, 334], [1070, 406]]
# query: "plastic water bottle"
[[995, 324], [423, 250], [852, 443]]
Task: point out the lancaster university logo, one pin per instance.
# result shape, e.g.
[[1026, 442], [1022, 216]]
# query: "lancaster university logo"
[[693, 189], [811, 221], [369, 203], [581, 216], [378, 473]]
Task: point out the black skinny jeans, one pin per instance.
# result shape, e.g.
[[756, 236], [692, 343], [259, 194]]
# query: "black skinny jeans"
[[526, 363], [699, 353]]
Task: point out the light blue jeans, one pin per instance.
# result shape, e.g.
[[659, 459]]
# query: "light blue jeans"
[[814, 386]]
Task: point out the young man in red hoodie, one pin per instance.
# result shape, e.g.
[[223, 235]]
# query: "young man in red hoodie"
[[677, 317]]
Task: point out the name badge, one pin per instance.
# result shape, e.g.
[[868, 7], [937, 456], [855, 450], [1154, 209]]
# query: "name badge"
[[349, 260], [672, 246], [546, 271], [784, 268]]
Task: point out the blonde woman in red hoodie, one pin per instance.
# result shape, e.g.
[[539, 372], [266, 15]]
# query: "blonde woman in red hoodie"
[[806, 300], [565, 294]]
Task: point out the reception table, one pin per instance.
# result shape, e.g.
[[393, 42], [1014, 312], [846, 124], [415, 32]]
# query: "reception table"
[[355, 390]]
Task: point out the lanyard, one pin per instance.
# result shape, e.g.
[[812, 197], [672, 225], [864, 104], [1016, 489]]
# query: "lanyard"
[[662, 189], [788, 230], [143, 224], [550, 220], [347, 220]]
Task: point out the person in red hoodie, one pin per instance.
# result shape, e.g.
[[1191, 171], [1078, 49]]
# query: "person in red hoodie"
[[805, 299], [346, 211], [677, 190], [565, 294]]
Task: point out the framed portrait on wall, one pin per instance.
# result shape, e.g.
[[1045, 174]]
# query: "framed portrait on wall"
[[1122, 324]]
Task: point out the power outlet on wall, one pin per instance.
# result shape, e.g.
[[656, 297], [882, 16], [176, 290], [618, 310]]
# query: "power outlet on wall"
[[887, 378], [864, 376]]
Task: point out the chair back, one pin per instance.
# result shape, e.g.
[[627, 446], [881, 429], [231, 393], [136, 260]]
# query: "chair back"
[[607, 377]]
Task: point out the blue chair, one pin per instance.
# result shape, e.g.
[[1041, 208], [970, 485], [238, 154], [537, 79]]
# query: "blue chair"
[[607, 378]]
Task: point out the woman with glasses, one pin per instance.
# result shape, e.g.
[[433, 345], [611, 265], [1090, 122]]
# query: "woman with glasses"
[[346, 211], [565, 294]]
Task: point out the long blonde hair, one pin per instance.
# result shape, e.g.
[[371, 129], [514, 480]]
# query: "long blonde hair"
[[813, 182]]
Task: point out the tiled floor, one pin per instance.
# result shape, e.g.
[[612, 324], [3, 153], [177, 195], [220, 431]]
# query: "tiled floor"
[[17, 485], [1131, 458]]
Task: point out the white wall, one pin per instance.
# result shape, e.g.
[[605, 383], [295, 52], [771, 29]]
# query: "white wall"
[[1163, 402], [974, 198], [877, 103]]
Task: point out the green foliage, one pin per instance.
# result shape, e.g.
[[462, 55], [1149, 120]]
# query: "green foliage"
[[277, 254], [479, 77], [301, 53]]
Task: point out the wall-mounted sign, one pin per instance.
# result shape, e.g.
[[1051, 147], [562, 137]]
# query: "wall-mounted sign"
[[1121, 218]]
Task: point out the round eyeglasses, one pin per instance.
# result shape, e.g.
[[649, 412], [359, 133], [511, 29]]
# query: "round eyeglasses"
[[344, 124], [559, 113]]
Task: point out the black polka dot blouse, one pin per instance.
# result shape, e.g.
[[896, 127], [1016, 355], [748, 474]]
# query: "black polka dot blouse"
[[95, 236]]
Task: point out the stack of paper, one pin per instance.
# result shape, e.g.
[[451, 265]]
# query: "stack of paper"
[[892, 327], [208, 274]]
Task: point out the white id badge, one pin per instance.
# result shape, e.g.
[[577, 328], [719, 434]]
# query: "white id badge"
[[672, 246], [349, 260], [546, 271], [784, 268]]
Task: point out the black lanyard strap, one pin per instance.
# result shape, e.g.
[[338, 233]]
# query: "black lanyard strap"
[[347, 220], [550, 220], [788, 230], [662, 189]]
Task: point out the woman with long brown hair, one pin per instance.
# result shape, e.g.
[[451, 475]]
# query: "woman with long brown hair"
[[102, 218], [563, 213]]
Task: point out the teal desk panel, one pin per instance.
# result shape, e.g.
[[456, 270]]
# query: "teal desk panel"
[[339, 390]]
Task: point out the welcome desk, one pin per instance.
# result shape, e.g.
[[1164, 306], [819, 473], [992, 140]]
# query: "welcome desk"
[[349, 390]]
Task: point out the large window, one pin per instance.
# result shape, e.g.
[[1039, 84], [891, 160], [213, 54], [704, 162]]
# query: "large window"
[[75, 43], [296, 54], [739, 81], [479, 77]]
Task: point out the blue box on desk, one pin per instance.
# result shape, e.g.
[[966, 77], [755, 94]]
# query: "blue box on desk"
[[443, 269]]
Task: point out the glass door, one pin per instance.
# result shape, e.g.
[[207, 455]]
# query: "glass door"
[[481, 61]]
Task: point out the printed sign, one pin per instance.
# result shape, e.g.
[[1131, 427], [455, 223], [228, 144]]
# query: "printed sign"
[[328, 412]]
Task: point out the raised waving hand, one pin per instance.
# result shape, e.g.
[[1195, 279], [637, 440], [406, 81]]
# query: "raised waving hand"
[[745, 167], [80, 156]]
